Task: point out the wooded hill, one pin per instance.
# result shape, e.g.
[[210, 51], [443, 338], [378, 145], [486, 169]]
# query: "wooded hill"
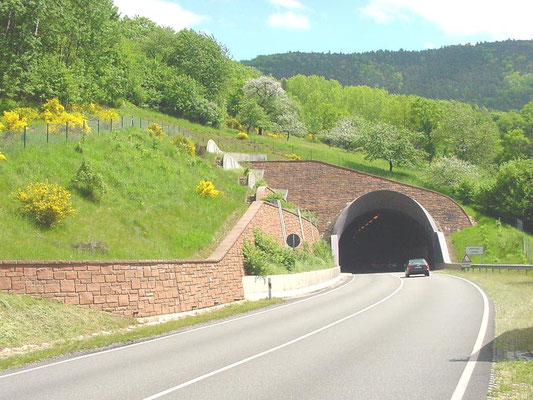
[[497, 75]]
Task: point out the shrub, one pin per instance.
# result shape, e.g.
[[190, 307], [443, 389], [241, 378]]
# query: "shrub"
[[88, 183], [2, 157], [102, 113], [275, 135], [155, 130], [14, 122], [27, 113], [234, 124], [266, 255], [293, 157], [242, 136], [2, 127], [47, 203], [54, 114], [184, 144], [207, 189]]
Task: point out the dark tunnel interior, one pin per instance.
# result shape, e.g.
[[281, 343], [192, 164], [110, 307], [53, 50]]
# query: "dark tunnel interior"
[[381, 241]]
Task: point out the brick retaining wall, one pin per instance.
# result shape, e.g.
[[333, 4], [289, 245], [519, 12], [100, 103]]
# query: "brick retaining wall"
[[151, 287], [326, 189]]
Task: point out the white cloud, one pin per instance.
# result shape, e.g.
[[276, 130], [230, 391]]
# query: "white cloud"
[[289, 20], [496, 18], [429, 45], [162, 12], [293, 4]]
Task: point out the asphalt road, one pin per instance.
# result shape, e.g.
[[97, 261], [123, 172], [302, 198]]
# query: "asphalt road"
[[378, 336]]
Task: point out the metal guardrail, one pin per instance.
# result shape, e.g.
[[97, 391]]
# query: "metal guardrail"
[[499, 267]]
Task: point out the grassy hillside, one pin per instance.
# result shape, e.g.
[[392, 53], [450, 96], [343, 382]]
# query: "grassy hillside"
[[150, 208]]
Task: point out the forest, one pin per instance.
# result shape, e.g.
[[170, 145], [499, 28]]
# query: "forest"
[[77, 53], [498, 75]]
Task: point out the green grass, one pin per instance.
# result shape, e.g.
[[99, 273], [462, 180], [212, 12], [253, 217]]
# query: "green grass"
[[150, 210], [503, 243], [512, 294], [25, 320], [70, 341]]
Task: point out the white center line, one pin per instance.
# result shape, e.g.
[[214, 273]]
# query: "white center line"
[[273, 349]]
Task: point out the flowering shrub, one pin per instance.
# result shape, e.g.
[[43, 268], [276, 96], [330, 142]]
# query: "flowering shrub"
[[27, 113], [2, 127], [47, 203], [88, 182], [156, 130], [54, 114], [184, 144], [14, 122], [2, 157], [102, 113], [293, 157], [275, 135], [242, 136], [207, 189]]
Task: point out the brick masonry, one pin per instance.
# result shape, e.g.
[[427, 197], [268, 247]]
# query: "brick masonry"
[[152, 287], [326, 189]]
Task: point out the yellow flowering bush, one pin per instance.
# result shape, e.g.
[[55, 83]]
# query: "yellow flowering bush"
[[54, 114], [14, 122], [184, 144], [48, 203], [156, 130], [242, 136], [2, 127], [2, 157], [102, 113], [293, 157], [27, 113], [275, 135], [207, 189]]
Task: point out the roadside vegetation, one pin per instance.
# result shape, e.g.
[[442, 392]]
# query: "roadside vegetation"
[[266, 256], [502, 243], [512, 294], [64, 329], [127, 194]]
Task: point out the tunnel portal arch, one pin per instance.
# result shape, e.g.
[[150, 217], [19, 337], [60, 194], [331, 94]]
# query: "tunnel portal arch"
[[403, 224]]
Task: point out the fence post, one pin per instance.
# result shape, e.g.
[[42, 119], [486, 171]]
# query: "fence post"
[[132, 120], [66, 131], [122, 122], [98, 126], [25, 128], [140, 122], [47, 132], [111, 127]]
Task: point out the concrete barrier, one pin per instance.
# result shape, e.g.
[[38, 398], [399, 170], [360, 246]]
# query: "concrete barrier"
[[287, 285]]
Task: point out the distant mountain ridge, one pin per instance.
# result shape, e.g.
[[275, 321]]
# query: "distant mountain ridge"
[[494, 74]]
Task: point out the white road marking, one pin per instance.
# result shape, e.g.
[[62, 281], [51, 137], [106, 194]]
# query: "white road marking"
[[273, 349], [474, 356], [176, 334]]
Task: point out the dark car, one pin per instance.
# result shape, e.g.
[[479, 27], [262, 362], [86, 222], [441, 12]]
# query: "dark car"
[[416, 266]]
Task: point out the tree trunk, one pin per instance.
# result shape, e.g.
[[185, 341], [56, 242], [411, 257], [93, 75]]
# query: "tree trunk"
[[390, 167], [260, 131]]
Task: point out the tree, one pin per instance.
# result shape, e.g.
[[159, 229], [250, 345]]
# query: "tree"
[[424, 117], [515, 146], [389, 143], [251, 115]]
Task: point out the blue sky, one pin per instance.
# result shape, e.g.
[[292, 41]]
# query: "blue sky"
[[255, 27]]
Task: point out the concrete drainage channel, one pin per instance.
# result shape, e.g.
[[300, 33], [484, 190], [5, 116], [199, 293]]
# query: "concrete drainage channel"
[[289, 285]]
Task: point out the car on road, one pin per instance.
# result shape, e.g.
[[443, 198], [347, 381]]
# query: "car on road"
[[416, 266]]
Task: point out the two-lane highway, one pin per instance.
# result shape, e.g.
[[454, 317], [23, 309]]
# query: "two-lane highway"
[[378, 336]]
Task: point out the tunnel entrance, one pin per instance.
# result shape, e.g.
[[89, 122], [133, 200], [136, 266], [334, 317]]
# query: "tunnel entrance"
[[381, 230], [382, 240]]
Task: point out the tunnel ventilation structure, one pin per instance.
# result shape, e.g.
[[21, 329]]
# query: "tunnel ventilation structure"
[[381, 230]]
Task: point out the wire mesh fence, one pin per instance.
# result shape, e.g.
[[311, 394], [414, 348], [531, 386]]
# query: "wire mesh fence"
[[41, 134]]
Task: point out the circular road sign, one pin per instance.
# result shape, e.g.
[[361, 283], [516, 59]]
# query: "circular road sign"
[[293, 240]]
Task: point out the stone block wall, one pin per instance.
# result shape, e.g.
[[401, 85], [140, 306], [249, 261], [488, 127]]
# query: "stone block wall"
[[146, 288], [326, 190]]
